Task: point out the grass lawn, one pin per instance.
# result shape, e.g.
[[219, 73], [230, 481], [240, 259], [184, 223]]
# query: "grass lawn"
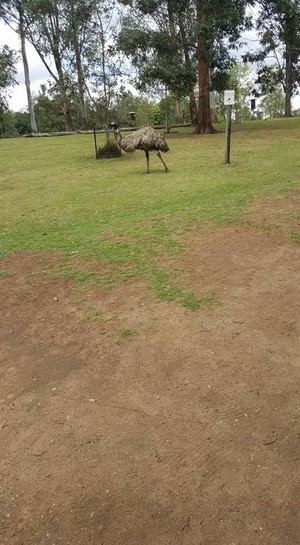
[[55, 196]]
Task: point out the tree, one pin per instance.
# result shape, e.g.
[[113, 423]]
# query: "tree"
[[156, 37], [102, 63], [179, 42], [7, 124], [218, 26], [241, 80], [8, 72], [278, 25], [46, 30], [273, 104], [47, 105], [22, 122], [12, 12], [79, 34], [8, 59]]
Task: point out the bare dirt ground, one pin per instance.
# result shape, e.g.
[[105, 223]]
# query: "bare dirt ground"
[[185, 432]]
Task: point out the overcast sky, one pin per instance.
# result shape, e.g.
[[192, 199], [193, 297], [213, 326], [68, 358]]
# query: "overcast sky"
[[39, 74]]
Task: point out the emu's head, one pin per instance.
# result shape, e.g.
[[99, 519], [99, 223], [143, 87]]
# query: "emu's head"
[[115, 126]]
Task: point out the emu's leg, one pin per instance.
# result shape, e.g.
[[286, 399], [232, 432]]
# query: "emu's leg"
[[159, 155], [147, 159]]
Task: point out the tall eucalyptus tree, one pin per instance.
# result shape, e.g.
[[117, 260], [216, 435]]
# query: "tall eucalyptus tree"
[[12, 13]]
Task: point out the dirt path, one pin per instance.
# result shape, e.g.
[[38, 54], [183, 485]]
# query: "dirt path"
[[129, 421]]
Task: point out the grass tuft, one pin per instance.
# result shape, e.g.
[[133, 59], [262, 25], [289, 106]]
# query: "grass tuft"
[[190, 301], [127, 332], [295, 237], [5, 274]]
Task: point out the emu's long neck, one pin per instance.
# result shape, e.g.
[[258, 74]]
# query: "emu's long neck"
[[118, 137]]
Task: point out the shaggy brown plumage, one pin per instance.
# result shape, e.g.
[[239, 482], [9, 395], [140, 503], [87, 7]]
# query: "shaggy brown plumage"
[[146, 139]]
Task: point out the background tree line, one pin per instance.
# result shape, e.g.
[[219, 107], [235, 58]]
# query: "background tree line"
[[173, 52]]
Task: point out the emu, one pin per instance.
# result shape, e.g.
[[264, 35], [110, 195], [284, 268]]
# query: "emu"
[[145, 139]]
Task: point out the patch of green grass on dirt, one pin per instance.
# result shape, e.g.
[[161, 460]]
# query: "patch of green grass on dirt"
[[295, 237], [57, 197], [5, 274], [194, 303], [127, 332], [91, 313], [81, 277], [166, 289]]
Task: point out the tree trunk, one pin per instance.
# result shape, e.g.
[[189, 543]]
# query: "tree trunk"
[[237, 110], [167, 112], [64, 104], [192, 98], [63, 95], [288, 83], [204, 124], [80, 75], [33, 126], [81, 87], [103, 55], [193, 108], [51, 32], [66, 114], [178, 111]]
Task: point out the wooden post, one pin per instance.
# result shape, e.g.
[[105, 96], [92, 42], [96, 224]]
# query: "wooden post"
[[228, 135], [95, 142]]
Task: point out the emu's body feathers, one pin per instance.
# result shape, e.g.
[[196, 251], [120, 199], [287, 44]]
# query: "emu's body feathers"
[[145, 139]]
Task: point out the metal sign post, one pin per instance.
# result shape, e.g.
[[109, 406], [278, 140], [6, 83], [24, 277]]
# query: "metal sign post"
[[229, 102]]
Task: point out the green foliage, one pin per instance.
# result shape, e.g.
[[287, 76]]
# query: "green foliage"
[[156, 52], [156, 115], [125, 103], [48, 111], [22, 122], [268, 79], [14, 123], [146, 111], [102, 59], [7, 124], [185, 111], [162, 46], [78, 41], [240, 79], [8, 59], [278, 25], [272, 105]]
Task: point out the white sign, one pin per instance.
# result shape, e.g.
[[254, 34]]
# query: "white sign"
[[229, 98]]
